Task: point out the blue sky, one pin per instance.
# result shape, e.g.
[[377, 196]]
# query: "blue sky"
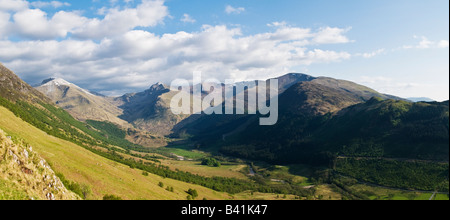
[[398, 47]]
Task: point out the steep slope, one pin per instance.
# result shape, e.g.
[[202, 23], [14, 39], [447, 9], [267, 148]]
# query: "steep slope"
[[102, 176], [219, 127], [26, 176], [362, 92], [389, 128], [150, 110], [376, 128], [304, 99], [13, 88], [80, 103]]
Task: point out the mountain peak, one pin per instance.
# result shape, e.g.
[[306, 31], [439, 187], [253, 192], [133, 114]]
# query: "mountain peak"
[[56, 81], [158, 86]]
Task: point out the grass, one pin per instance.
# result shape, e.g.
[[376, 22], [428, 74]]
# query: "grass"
[[380, 193], [195, 155], [25, 172], [441, 197], [195, 167], [294, 174], [10, 191], [103, 176]]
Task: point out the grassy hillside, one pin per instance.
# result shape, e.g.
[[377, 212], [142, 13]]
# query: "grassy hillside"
[[395, 129], [24, 175], [101, 175]]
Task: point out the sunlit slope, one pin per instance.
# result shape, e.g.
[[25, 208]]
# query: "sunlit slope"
[[101, 175], [24, 175], [80, 103]]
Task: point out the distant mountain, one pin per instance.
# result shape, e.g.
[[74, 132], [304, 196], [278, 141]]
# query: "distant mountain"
[[80, 103], [150, 110], [300, 95], [40, 111], [421, 99]]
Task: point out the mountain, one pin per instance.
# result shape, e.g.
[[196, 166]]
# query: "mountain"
[[300, 96], [13, 88], [35, 108], [376, 128], [150, 110], [80, 103], [21, 164], [315, 122], [389, 128], [420, 99]]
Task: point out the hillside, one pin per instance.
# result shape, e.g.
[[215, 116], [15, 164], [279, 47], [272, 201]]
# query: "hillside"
[[100, 175], [376, 128], [80, 103], [304, 98], [24, 175], [83, 155], [389, 128], [13, 88], [150, 110]]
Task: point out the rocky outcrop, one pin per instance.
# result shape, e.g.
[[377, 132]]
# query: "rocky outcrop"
[[24, 169]]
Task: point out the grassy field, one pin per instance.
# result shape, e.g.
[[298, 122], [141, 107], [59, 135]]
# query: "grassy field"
[[379, 193], [103, 176], [441, 197], [195, 167], [294, 174]]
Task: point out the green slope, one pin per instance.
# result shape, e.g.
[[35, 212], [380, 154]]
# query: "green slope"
[[101, 175]]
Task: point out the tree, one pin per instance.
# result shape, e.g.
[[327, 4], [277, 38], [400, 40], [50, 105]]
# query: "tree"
[[111, 197], [211, 162], [193, 193]]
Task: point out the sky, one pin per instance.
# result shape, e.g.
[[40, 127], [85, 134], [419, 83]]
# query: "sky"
[[398, 47]]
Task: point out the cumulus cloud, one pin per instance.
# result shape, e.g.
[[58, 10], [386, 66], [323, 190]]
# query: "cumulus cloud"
[[147, 14], [112, 54], [36, 24], [13, 5], [329, 35], [232, 10], [138, 58]]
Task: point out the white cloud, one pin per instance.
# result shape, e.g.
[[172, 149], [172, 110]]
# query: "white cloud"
[[13, 5], [138, 58], [425, 43], [371, 54], [330, 35], [4, 24], [36, 24], [443, 44], [231, 10], [148, 14], [187, 19], [54, 4]]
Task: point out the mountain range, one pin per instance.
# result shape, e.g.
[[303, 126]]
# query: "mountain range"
[[320, 120]]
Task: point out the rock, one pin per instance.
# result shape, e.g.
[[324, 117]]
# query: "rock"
[[27, 171], [25, 153], [50, 196]]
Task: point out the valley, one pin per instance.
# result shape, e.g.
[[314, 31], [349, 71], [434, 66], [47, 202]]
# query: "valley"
[[334, 140]]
